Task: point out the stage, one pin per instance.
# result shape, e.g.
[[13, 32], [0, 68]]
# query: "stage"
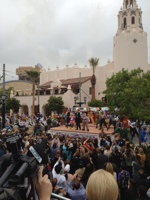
[[93, 131]]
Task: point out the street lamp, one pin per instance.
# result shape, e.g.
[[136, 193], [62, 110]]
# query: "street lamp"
[[75, 100], [85, 100], [3, 110], [80, 102], [38, 98]]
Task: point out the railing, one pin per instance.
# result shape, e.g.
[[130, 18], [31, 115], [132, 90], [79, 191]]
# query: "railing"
[[59, 197]]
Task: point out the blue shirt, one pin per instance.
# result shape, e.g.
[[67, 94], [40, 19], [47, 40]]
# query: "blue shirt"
[[75, 194]]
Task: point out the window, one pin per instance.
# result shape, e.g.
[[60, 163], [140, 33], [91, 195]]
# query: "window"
[[126, 3], [90, 90], [133, 20], [125, 22]]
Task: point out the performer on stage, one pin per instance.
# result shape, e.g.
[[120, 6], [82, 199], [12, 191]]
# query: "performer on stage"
[[77, 119], [85, 120]]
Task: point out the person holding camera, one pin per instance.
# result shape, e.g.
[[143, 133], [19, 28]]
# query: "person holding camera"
[[43, 186]]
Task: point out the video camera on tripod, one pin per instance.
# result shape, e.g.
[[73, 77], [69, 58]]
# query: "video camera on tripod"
[[17, 181]]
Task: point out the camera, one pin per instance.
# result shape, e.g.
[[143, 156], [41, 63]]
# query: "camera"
[[17, 181]]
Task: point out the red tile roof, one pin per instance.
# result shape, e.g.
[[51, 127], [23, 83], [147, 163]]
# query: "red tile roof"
[[75, 80], [46, 85]]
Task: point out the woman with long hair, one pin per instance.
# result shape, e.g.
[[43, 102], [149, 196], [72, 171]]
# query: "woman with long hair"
[[109, 168], [132, 192], [101, 186]]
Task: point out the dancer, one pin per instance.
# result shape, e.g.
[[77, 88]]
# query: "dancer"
[[85, 120], [72, 121]]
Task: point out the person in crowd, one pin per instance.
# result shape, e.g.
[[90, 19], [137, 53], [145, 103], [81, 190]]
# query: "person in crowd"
[[123, 178], [109, 168], [49, 121], [55, 146], [87, 173], [102, 186], [119, 126], [128, 159], [142, 157], [64, 117], [143, 134], [132, 193], [142, 179], [97, 119], [57, 173], [80, 171], [101, 159], [75, 190], [136, 166], [111, 120], [102, 121]]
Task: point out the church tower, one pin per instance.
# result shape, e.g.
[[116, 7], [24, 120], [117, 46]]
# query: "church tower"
[[130, 49]]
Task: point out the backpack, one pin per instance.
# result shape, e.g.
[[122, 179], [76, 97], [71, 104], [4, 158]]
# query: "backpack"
[[124, 179]]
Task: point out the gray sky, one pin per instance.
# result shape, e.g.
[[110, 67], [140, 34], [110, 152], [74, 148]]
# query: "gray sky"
[[59, 32]]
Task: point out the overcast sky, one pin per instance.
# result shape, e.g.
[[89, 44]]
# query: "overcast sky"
[[59, 32]]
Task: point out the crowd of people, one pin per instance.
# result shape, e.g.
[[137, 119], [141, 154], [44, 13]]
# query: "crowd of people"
[[93, 168]]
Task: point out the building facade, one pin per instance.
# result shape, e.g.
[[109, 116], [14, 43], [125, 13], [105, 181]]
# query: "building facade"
[[130, 51]]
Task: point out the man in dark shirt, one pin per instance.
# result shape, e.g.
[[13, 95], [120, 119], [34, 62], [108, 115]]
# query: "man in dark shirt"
[[101, 159], [77, 119]]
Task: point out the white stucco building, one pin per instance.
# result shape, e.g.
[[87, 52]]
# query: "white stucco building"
[[130, 51]]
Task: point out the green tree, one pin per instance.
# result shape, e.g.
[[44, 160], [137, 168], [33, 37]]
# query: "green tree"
[[95, 103], [7, 92], [93, 63], [54, 104], [13, 103], [34, 77], [129, 92]]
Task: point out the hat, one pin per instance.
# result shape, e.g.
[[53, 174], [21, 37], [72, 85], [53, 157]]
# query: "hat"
[[67, 168]]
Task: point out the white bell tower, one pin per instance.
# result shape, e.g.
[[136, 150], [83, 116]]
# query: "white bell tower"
[[130, 49]]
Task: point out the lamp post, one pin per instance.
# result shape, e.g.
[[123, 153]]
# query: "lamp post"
[[76, 98], [38, 99], [3, 110], [80, 102], [3, 99]]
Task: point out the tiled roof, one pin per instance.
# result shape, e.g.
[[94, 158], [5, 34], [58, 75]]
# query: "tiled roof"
[[47, 84], [75, 80]]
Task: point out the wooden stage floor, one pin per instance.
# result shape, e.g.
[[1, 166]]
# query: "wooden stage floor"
[[92, 130]]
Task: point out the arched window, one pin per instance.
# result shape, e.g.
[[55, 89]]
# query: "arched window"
[[126, 3], [133, 20], [125, 22]]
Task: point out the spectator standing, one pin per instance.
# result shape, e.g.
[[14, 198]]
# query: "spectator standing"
[[123, 178], [132, 192]]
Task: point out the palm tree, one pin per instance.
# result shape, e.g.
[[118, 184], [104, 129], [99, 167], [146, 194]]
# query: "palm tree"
[[34, 77], [93, 63]]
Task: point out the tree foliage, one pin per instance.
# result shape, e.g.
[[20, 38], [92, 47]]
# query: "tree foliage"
[[129, 92], [13, 103], [96, 103], [54, 104], [93, 63], [34, 77], [7, 92]]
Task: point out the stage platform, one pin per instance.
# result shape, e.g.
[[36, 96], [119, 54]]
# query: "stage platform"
[[93, 131]]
